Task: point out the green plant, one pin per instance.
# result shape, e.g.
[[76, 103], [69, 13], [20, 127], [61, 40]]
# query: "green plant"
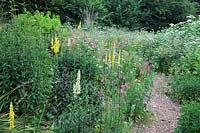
[[189, 120], [186, 81], [186, 87], [71, 112], [26, 61]]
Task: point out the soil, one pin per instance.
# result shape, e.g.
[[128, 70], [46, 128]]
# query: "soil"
[[165, 111]]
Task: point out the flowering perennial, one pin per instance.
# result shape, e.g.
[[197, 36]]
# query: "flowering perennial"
[[55, 45], [113, 58], [79, 26], [11, 116], [77, 86], [110, 57]]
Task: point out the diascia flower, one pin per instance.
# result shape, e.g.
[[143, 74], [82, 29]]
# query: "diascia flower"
[[11, 116], [55, 45], [77, 86]]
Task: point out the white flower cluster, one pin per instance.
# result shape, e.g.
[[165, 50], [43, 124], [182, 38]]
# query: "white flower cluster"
[[77, 86]]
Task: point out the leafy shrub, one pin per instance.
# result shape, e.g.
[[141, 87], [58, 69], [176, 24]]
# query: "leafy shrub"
[[186, 81], [186, 87], [26, 65], [189, 120]]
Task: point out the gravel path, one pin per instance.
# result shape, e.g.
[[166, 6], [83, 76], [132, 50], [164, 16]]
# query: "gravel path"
[[164, 109]]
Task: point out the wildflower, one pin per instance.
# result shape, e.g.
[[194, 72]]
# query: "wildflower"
[[113, 58], [11, 116], [55, 45], [122, 42], [146, 63], [100, 92], [94, 45], [148, 69], [77, 86], [123, 86], [126, 84], [79, 26]]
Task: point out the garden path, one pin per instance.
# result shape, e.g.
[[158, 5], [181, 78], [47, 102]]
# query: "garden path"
[[164, 109]]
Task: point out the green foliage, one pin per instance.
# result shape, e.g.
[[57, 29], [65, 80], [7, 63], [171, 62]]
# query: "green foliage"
[[123, 13], [131, 14], [186, 81], [189, 120], [186, 87], [81, 113], [157, 14], [26, 64], [166, 48]]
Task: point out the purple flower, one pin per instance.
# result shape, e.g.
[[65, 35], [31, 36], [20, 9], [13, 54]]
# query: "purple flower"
[[122, 42]]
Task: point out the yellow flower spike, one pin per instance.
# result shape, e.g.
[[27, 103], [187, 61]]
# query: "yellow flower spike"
[[119, 57], [11, 116], [79, 26], [55, 45], [113, 58]]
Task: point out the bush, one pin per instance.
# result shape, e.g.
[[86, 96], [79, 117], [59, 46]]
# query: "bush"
[[186, 82], [186, 87], [26, 65], [189, 120]]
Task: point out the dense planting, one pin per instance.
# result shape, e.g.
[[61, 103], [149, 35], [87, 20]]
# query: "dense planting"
[[75, 81], [57, 79]]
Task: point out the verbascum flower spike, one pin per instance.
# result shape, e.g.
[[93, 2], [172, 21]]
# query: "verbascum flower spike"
[[79, 26], [77, 86], [109, 57], [11, 116], [119, 57], [55, 45], [113, 58]]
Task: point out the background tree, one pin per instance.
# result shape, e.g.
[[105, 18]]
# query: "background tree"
[[160, 13], [131, 14]]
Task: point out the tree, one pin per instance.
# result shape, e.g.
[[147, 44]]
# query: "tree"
[[157, 14]]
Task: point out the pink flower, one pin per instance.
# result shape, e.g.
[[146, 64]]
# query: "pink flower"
[[123, 86], [100, 92], [126, 84], [148, 69], [94, 45], [146, 63]]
